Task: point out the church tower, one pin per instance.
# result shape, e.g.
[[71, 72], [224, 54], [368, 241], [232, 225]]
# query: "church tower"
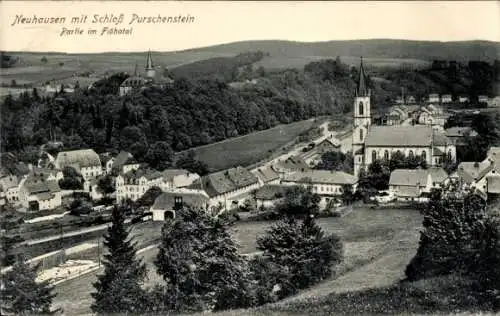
[[362, 120], [150, 71]]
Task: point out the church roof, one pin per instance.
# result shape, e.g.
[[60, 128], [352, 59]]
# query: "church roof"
[[362, 86], [149, 62], [399, 135]]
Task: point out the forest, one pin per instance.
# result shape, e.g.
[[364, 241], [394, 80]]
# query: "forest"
[[202, 106]]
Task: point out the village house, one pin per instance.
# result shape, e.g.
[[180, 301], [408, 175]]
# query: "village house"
[[38, 194], [269, 196], [177, 178], [9, 186], [167, 203], [133, 184], [463, 99], [493, 187], [458, 135], [327, 184], [328, 144], [123, 162], [494, 102], [483, 99], [446, 98], [396, 116], [475, 174], [409, 184], [84, 161], [266, 175], [291, 164], [433, 98], [228, 188]]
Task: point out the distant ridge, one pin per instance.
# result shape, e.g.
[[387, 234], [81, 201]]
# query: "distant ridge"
[[375, 48]]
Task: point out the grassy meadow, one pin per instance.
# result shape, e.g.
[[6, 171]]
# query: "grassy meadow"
[[251, 148]]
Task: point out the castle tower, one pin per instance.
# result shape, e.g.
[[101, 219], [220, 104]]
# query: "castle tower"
[[362, 120], [150, 71]]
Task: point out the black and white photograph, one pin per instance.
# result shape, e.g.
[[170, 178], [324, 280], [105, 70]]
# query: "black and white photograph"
[[250, 158]]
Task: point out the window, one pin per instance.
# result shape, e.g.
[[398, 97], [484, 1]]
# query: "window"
[[361, 135], [424, 155], [361, 109], [386, 155], [449, 154], [374, 155], [410, 154]]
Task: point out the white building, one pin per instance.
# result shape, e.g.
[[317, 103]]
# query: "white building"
[[123, 162], [409, 184], [446, 98], [177, 178], [327, 184], [84, 161], [228, 188], [133, 184], [38, 194], [433, 98], [167, 203]]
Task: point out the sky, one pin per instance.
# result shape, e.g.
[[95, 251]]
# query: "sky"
[[223, 22]]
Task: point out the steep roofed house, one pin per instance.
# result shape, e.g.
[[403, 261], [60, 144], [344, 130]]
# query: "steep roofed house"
[[167, 203], [409, 184], [474, 174], [228, 188], [458, 135], [327, 184], [85, 161], [446, 98], [177, 178], [37, 194], [123, 162], [9, 186], [313, 156], [266, 175], [291, 164], [133, 184]]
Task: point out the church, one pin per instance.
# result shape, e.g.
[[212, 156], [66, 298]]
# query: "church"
[[370, 143], [150, 78]]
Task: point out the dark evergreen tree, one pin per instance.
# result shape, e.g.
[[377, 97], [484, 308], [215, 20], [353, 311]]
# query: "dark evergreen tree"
[[22, 295], [118, 289]]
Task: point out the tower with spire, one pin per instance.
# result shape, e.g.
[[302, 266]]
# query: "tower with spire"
[[150, 70], [362, 119]]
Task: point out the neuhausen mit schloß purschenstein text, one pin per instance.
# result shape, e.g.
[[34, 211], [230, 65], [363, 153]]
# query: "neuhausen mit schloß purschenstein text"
[[100, 24]]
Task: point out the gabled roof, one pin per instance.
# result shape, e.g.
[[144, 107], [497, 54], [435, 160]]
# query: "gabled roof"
[[440, 139], [329, 141], [35, 186], [399, 135], [149, 174], [134, 81], [169, 174], [321, 176], [437, 152], [408, 177], [474, 171], [266, 174], [270, 192], [227, 180], [81, 158], [292, 163], [121, 159], [438, 175], [166, 200]]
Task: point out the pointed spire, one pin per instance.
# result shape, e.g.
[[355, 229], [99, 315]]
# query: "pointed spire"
[[362, 87], [135, 70], [149, 63]]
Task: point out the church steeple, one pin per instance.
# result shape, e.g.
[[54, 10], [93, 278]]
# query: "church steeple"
[[135, 70], [150, 71], [362, 90]]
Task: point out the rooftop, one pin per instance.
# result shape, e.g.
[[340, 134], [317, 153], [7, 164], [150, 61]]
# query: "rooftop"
[[227, 180], [270, 192], [82, 158], [266, 174], [408, 177], [473, 171], [399, 135], [166, 200], [321, 176]]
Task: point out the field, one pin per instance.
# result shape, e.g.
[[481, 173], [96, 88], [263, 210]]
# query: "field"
[[378, 245], [250, 148], [281, 62]]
